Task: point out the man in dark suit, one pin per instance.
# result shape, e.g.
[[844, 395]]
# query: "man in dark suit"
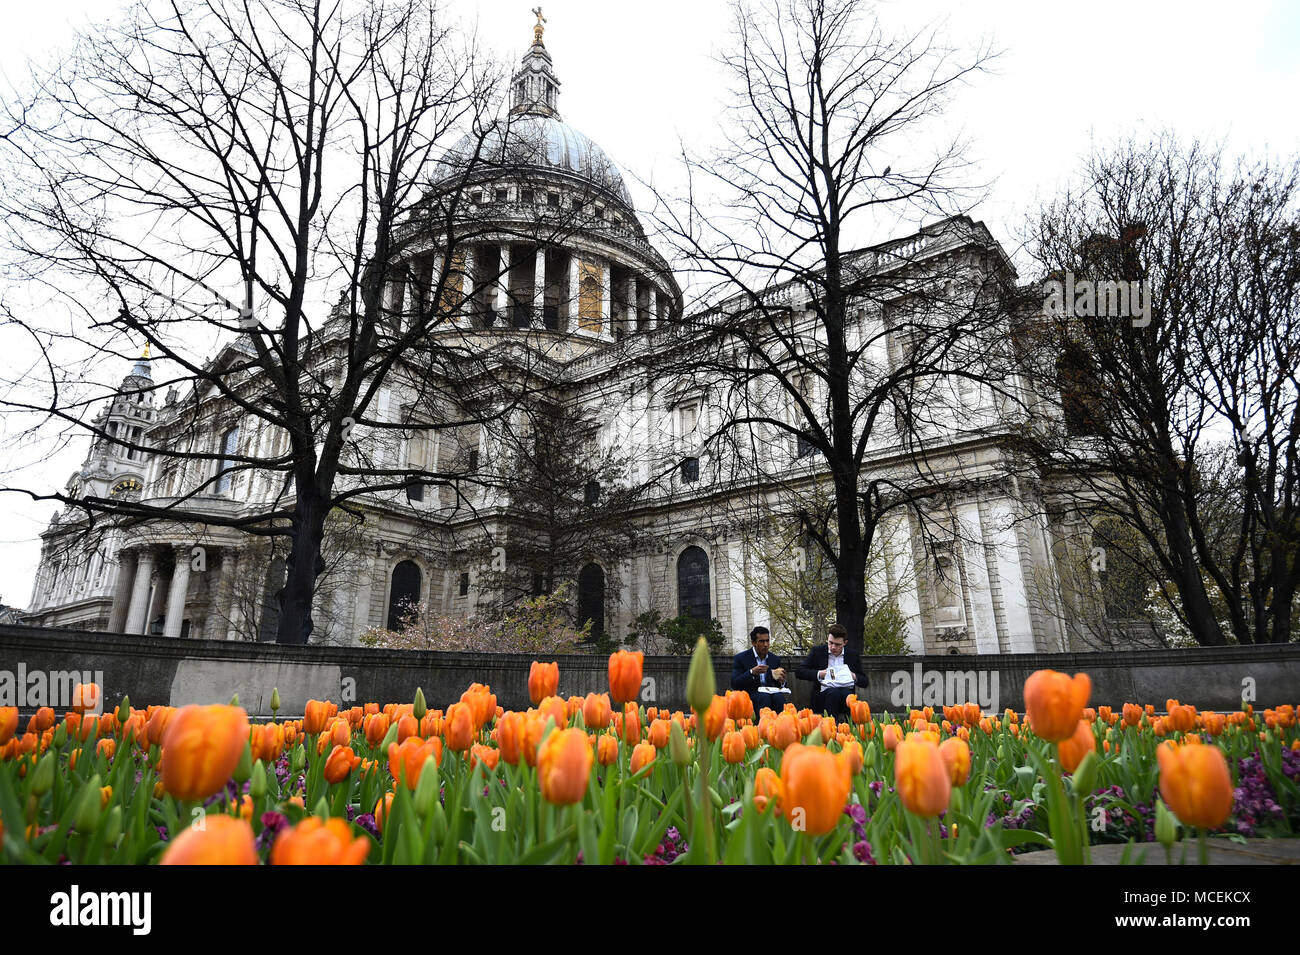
[[754, 668], [836, 673]]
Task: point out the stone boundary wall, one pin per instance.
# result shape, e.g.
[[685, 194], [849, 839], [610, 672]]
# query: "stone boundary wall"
[[163, 670]]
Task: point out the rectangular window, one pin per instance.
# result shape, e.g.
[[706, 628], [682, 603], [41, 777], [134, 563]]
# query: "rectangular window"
[[527, 198], [464, 585], [229, 444], [690, 470], [473, 460], [553, 200], [476, 197], [804, 447], [501, 195]]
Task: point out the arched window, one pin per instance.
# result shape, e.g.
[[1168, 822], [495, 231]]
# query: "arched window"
[[693, 583], [270, 620], [591, 598], [403, 593]]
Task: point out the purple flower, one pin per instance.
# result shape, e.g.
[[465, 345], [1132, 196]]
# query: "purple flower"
[[862, 852]]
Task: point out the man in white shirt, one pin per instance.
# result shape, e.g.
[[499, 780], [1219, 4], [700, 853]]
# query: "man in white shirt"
[[836, 673]]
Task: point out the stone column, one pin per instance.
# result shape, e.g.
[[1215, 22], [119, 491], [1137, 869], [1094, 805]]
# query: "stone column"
[[738, 616], [606, 311], [571, 297], [135, 618], [466, 314], [157, 600], [632, 312], [502, 305], [653, 304], [122, 591], [539, 288], [180, 590], [239, 567]]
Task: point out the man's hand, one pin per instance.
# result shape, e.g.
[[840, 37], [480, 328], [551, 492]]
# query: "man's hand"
[[779, 674], [821, 674], [761, 668]]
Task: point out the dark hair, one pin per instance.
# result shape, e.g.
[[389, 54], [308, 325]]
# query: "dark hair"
[[838, 630], [753, 634]]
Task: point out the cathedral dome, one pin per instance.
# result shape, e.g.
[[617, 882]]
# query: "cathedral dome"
[[529, 142]]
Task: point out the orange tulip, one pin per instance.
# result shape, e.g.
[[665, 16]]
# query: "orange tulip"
[[375, 727], [407, 759], [534, 727], [659, 732], [223, 840], [853, 755], [556, 709], [893, 735], [1195, 783], [201, 748], [749, 733], [313, 842], [739, 705], [459, 727], [643, 754], [1132, 714], [509, 736], [714, 718], [859, 710], [1181, 719], [8, 723], [107, 747], [631, 724], [487, 755], [607, 750], [340, 763], [783, 732], [923, 782], [956, 758], [1054, 703], [86, 696], [317, 715], [1072, 751], [733, 747], [543, 681], [382, 809], [407, 726], [596, 711], [564, 766], [815, 785], [625, 675], [767, 788]]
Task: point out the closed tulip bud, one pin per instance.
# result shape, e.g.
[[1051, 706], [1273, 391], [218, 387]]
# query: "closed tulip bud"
[[1085, 774], [298, 760], [1195, 782], [420, 707], [543, 681], [922, 780], [90, 806], [1166, 825], [60, 736], [426, 790], [43, 778], [275, 700], [678, 749], [234, 700], [124, 710], [244, 768], [701, 683], [257, 783]]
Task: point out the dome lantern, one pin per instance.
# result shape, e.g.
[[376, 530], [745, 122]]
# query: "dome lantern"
[[535, 89]]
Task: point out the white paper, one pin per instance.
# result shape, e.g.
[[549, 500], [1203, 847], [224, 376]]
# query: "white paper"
[[837, 676]]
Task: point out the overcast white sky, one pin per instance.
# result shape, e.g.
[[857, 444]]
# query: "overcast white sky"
[[636, 77]]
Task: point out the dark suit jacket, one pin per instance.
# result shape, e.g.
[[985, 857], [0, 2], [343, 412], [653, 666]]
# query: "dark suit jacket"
[[746, 660], [816, 662]]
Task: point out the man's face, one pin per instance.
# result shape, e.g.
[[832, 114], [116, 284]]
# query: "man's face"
[[761, 643], [835, 644]]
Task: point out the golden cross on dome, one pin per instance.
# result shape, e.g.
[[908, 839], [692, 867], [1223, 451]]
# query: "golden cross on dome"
[[537, 30], [145, 356]]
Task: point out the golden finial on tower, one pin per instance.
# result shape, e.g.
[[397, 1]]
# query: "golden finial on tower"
[[537, 30], [145, 356]]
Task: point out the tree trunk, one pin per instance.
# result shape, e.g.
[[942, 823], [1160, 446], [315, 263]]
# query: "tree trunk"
[[303, 566]]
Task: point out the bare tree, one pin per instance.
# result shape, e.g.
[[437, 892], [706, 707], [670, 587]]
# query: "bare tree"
[[823, 356], [214, 168], [1173, 280]]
